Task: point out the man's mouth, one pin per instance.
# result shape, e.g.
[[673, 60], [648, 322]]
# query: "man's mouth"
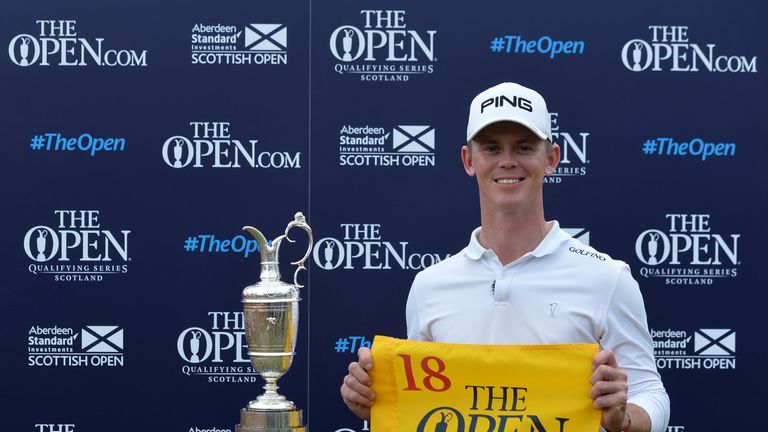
[[508, 180]]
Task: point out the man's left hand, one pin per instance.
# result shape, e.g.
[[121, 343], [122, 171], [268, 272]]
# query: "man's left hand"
[[609, 391]]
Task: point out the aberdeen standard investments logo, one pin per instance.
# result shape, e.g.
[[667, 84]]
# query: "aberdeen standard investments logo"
[[363, 247], [688, 252], [697, 349], [212, 146], [78, 249], [217, 352], [403, 145], [670, 49], [57, 43], [252, 44], [384, 49], [92, 346]]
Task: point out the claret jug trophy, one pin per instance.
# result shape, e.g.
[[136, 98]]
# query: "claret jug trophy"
[[271, 313]]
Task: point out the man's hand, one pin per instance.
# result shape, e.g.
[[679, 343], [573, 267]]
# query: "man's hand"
[[356, 388], [609, 391]]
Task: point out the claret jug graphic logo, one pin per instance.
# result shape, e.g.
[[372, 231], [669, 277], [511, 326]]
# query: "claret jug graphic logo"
[[78, 248], [57, 43], [384, 49], [688, 252]]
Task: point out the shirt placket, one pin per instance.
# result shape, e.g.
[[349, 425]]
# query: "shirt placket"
[[506, 277]]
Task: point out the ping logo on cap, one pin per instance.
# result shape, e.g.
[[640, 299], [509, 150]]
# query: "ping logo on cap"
[[498, 101]]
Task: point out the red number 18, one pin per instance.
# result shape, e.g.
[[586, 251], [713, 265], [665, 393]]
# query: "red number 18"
[[431, 374]]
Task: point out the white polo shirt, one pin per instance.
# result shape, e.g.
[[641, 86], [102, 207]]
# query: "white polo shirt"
[[562, 292]]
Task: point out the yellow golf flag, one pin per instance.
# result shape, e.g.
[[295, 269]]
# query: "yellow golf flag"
[[439, 387]]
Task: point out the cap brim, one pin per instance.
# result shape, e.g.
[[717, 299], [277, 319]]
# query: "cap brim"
[[539, 133]]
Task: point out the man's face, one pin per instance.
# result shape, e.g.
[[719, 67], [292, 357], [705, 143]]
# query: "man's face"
[[510, 163]]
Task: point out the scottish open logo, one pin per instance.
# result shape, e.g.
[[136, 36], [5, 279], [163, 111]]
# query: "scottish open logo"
[[398, 146], [251, 44], [706, 348]]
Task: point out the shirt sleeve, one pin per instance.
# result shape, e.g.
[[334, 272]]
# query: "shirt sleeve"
[[412, 318], [626, 334]]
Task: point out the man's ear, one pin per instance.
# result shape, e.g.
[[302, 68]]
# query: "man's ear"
[[466, 158], [553, 159]]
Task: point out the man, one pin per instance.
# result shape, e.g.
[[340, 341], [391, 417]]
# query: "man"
[[523, 280]]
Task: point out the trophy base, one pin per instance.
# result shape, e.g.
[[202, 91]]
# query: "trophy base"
[[270, 421]]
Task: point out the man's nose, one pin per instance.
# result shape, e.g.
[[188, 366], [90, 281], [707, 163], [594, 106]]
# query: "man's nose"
[[508, 160]]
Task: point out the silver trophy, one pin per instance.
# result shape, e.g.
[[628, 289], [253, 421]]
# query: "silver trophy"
[[271, 311]]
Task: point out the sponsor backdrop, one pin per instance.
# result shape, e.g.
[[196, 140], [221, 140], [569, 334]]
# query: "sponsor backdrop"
[[139, 138]]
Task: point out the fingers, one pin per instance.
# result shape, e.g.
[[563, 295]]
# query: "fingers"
[[604, 357], [610, 397], [358, 404], [365, 358], [605, 368], [356, 388], [352, 392], [607, 373], [609, 383], [609, 393], [610, 402], [359, 382], [609, 389]]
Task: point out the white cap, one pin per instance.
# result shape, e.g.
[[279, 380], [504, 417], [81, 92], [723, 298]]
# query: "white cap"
[[509, 102]]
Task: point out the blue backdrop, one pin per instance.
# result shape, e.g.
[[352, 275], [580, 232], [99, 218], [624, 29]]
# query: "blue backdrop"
[[140, 138]]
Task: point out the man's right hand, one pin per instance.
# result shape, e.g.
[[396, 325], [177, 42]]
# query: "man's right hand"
[[356, 388]]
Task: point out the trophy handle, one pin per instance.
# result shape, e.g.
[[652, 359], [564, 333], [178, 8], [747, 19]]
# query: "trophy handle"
[[299, 221]]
